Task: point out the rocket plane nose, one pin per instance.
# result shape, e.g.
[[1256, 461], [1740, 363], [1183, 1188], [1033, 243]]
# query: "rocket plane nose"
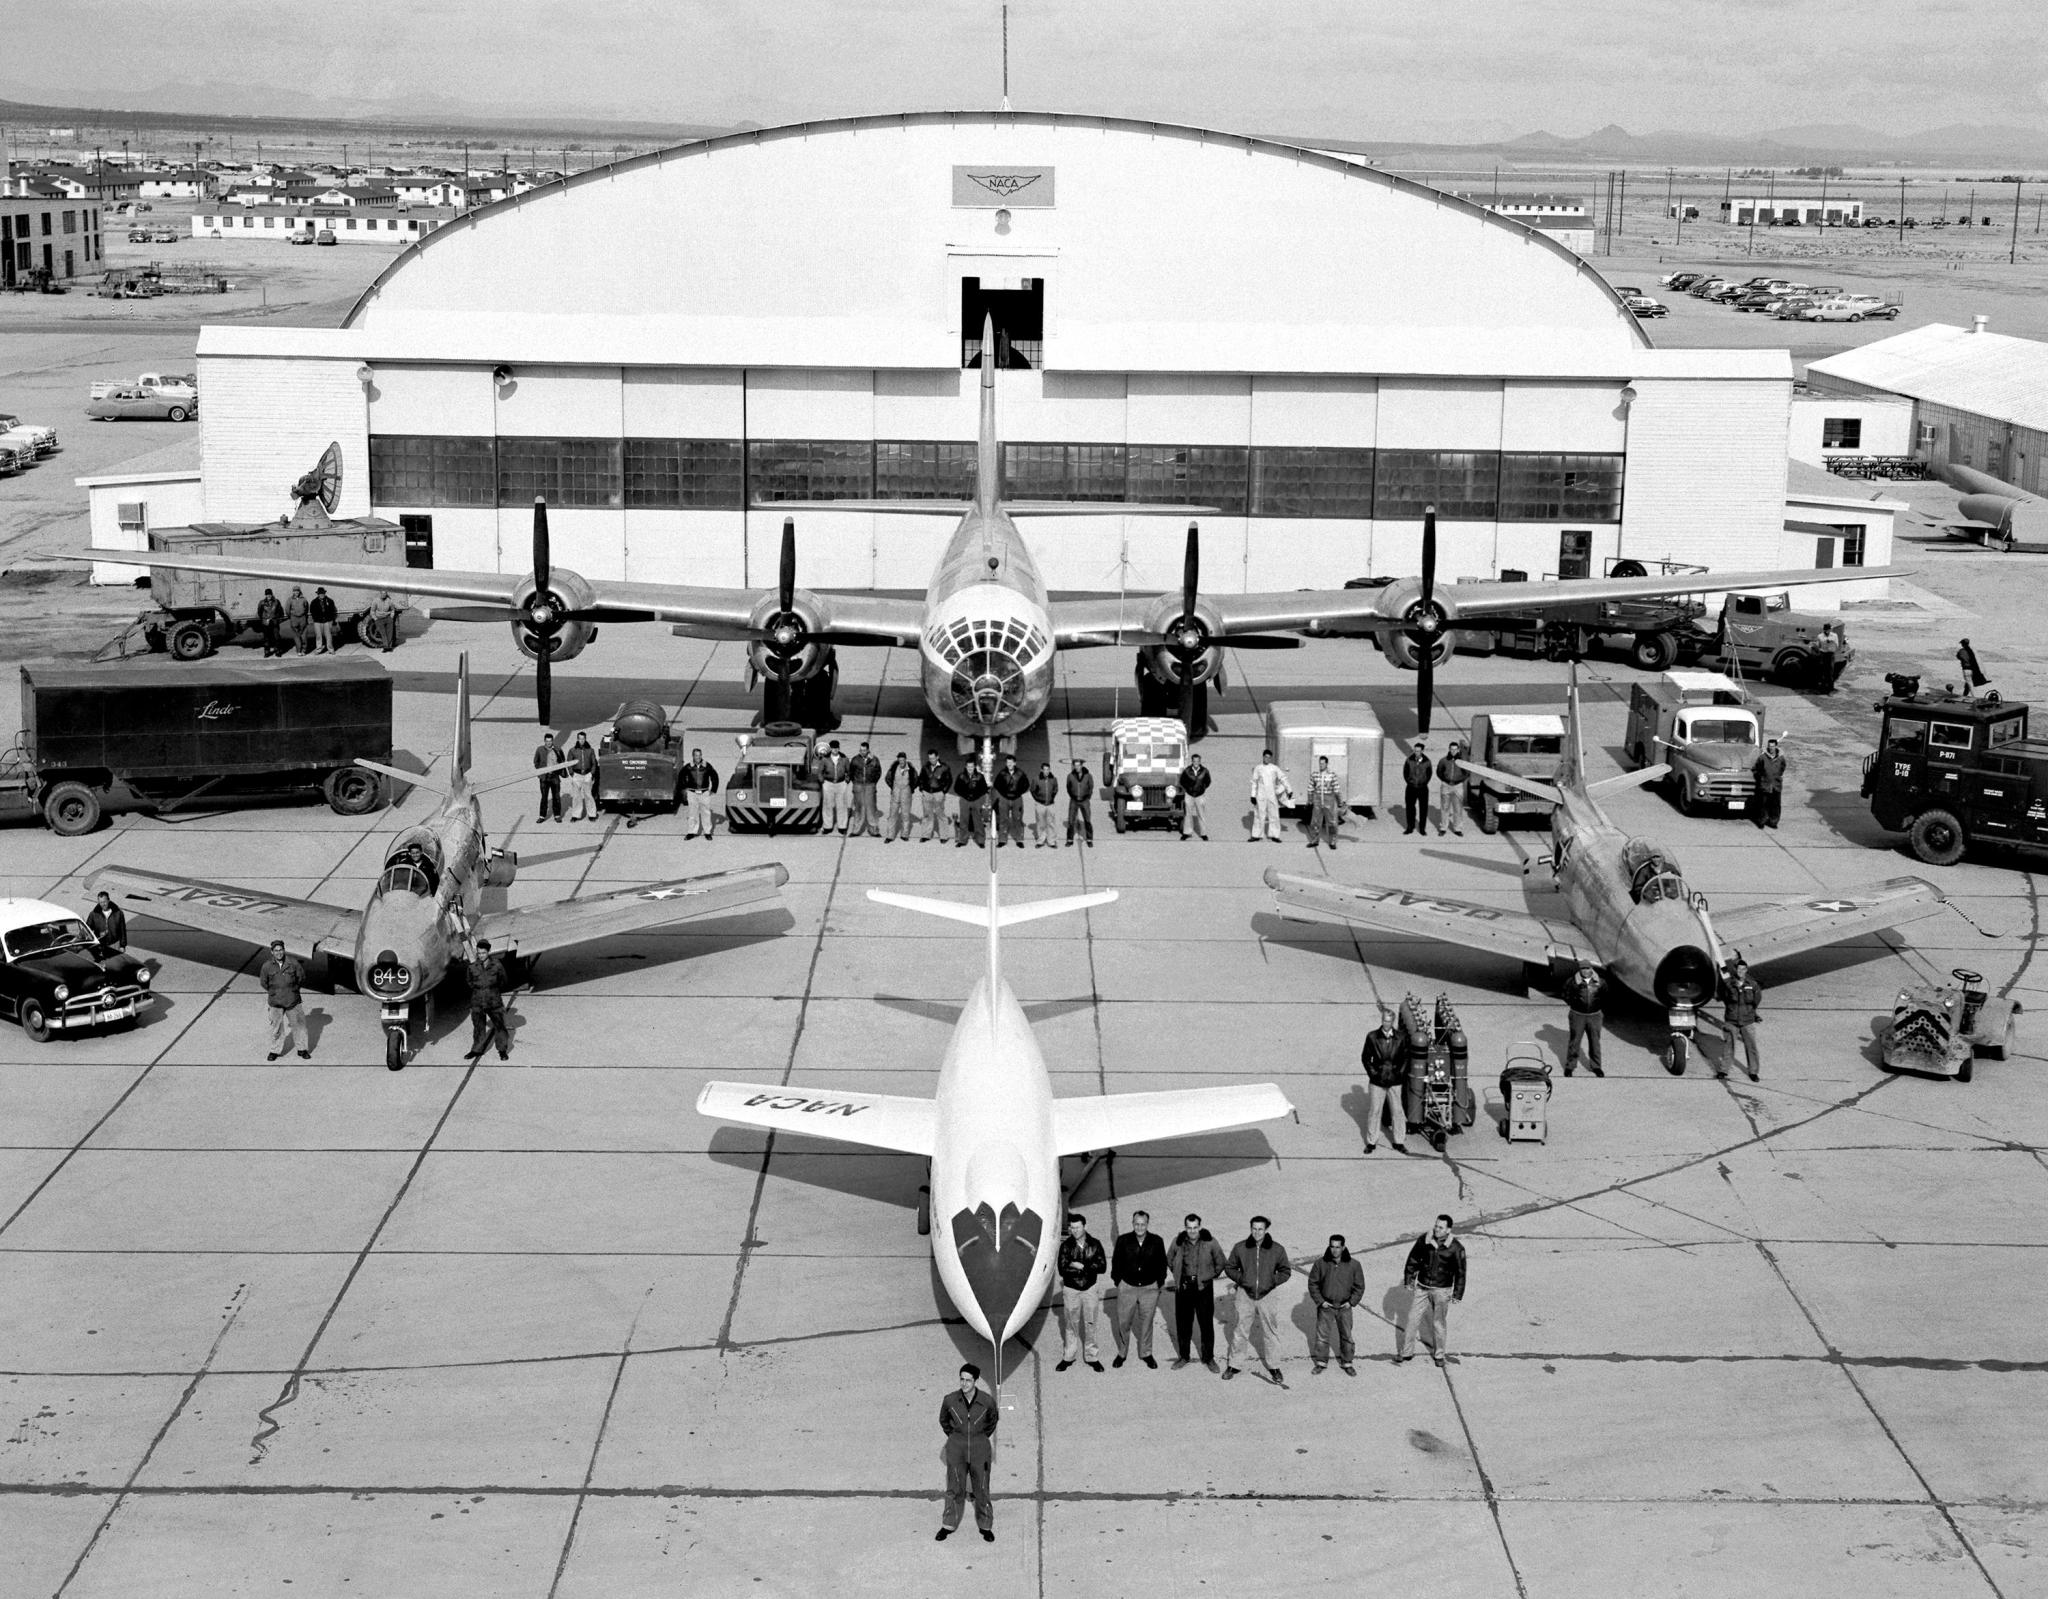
[[996, 1251]]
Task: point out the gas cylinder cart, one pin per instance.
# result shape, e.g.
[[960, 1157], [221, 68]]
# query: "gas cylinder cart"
[[1941, 1031], [1437, 1098]]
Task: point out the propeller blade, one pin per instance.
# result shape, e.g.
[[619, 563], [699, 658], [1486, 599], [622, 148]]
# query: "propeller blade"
[[1425, 680], [543, 568], [1191, 571], [1187, 701], [470, 613], [782, 670], [1428, 553], [786, 582], [544, 685], [1265, 641]]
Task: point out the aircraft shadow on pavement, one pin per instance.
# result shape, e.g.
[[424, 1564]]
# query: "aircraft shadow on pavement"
[[582, 963], [934, 1010], [1419, 958]]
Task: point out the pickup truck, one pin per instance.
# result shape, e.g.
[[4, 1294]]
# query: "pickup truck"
[[1708, 729]]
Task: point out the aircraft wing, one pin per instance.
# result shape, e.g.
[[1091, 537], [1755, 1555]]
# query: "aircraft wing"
[[307, 927], [708, 612], [536, 929], [1513, 934], [1110, 1121], [878, 1121], [1123, 620], [1777, 928]]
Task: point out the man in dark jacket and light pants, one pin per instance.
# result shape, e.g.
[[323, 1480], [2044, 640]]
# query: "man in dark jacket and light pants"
[[1138, 1268], [1192, 1266], [1385, 1058], [1082, 1266], [282, 976], [1336, 1283], [968, 1418], [1258, 1265], [1435, 1280]]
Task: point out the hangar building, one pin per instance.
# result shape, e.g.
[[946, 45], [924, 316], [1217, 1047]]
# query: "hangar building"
[[679, 349]]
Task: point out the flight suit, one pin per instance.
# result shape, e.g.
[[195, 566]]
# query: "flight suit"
[[969, 1425], [1270, 791], [487, 984], [902, 785]]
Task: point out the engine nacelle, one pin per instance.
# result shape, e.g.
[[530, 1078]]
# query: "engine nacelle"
[[1400, 651], [809, 660], [1165, 667], [576, 594]]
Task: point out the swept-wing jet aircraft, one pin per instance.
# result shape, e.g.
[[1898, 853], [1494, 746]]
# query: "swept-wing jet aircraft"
[[426, 910], [986, 628], [993, 1133], [1625, 906]]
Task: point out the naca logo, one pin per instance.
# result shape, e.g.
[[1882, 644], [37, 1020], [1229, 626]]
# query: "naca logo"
[[1003, 186]]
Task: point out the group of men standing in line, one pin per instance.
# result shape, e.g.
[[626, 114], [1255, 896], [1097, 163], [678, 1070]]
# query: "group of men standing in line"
[[1143, 1265], [862, 800], [297, 625]]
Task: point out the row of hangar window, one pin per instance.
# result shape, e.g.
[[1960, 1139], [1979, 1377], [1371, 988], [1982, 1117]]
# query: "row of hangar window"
[[729, 474]]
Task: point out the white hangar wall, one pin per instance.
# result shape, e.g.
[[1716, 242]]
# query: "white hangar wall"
[[802, 288]]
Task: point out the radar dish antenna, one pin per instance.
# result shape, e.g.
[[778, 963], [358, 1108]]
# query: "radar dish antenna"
[[321, 487]]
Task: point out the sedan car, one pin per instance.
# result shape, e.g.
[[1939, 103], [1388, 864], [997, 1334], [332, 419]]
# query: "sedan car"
[[1756, 299], [145, 405], [56, 978], [27, 439], [1644, 307]]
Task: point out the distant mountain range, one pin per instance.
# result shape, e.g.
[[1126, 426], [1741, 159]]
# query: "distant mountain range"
[[2006, 148]]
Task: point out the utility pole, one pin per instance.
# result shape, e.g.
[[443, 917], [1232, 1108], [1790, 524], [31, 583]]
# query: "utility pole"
[[1621, 205], [1750, 247], [1727, 193], [1902, 210], [1670, 178], [1823, 197], [2014, 255], [1973, 203]]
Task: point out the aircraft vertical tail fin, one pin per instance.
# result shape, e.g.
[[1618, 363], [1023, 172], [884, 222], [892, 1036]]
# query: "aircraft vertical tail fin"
[[458, 763], [988, 455], [1571, 772]]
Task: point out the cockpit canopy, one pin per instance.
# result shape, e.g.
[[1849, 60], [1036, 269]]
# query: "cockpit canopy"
[[1653, 872], [413, 866]]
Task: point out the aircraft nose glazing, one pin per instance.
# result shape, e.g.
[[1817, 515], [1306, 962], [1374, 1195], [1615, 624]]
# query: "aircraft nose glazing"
[[988, 686]]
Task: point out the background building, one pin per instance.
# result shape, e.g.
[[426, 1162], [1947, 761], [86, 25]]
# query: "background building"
[[680, 349], [1767, 211], [1980, 399], [52, 235]]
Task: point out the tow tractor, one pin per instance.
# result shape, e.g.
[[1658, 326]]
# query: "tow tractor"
[[1941, 1031], [776, 787], [1951, 770]]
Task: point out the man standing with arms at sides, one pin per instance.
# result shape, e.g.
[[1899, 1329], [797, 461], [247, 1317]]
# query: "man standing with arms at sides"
[[1450, 791], [933, 785], [487, 984], [1770, 784], [269, 619], [1258, 1265], [298, 620], [968, 1418], [1741, 994], [549, 755], [1583, 995], [1081, 1269], [1012, 787], [970, 790], [1336, 1283], [1385, 1058], [700, 782], [1081, 804], [583, 779], [1139, 1271], [1045, 794], [323, 613], [109, 924], [384, 620], [1435, 1280], [864, 771], [1270, 791], [282, 976], [901, 784], [1325, 804], [1192, 1266], [1415, 789], [1194, 783], [836, 773]]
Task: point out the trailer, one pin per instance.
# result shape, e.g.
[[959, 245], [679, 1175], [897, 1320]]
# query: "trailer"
[[150, 735], [1300, 732]]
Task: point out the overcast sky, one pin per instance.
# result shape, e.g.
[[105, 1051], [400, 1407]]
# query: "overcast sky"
[[1336, 68]]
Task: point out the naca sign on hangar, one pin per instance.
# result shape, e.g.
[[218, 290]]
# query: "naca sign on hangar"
[[678, 350]]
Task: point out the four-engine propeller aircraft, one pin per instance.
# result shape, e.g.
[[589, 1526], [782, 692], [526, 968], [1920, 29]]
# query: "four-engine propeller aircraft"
[[426, 911], [1625, 906], [986, 628], [993, 1134]]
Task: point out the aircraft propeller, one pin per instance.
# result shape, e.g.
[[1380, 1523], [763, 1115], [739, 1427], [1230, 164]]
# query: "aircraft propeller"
[[785, 632], [1426, 620], [1187, 638]]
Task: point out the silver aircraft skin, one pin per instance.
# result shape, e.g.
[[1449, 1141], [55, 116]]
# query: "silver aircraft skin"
[[426, 911], [1626, 907], [986, 629], [993, 1132]]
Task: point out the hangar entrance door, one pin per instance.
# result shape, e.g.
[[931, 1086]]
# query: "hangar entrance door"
[[1018, 309]]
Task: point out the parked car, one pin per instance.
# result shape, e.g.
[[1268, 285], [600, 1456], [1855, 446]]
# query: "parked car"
[[1850, 311], [140, 405], [1792, 308], [138, 235], [1142, 760], [1678, 282], [165, 236], [1755, 300], [325, 236], [13, 460], [1644, 307], [30, 437], [300, 238], [1627, 290], [1707, 286], [55, 978]]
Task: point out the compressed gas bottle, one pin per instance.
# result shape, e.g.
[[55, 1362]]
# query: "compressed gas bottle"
[[639, 725]]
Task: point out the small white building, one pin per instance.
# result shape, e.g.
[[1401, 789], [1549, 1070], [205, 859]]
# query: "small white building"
[[1787, 211], [1835, 522], [160, 489], [1826, 427], [349, 226], [188, 183]]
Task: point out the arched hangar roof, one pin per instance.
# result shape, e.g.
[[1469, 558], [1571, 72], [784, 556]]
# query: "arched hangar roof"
[[842, 244]]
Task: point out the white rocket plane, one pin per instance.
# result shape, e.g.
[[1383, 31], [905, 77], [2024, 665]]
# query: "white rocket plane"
[[994, 1134]]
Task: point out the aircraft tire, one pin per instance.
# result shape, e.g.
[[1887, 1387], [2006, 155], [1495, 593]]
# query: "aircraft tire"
[[924, 1211], [1489, 814]]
